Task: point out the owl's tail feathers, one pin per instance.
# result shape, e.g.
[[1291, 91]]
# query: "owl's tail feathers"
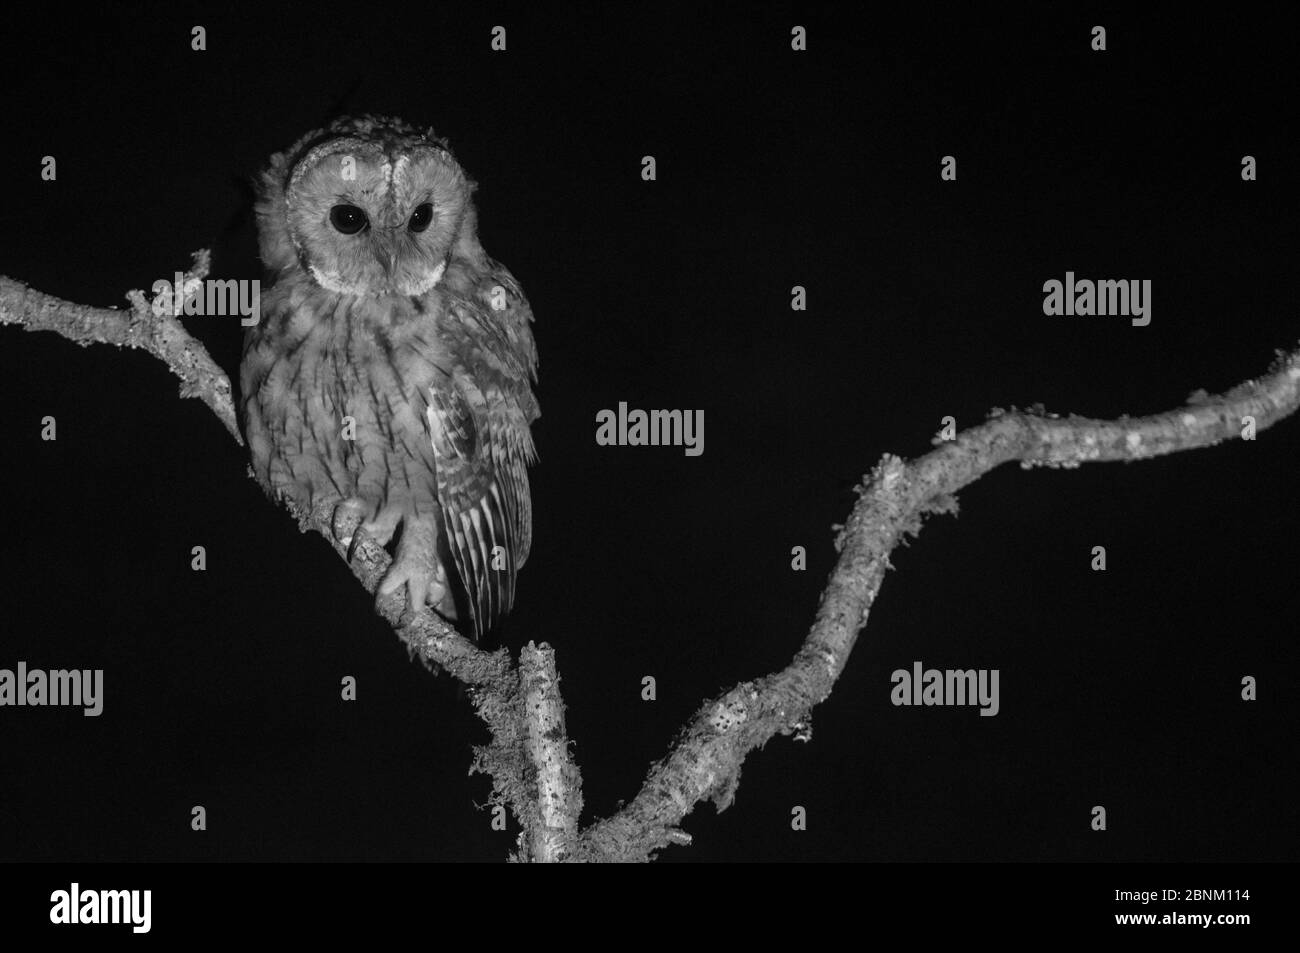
[[480, 539]]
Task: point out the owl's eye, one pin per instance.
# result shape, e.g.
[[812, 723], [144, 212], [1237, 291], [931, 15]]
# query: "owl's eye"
[[421, 217], [348, 219]]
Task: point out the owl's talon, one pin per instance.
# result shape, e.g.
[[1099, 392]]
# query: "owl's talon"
[[345, 522], [379, 530]]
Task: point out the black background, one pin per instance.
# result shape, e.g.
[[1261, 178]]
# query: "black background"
[[775, 168]]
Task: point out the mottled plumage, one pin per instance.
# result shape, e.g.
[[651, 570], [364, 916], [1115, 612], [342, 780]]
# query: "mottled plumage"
[[385, 310]]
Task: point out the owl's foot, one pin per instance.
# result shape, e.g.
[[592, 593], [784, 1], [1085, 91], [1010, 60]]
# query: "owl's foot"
[[417, 566], [347, 519], [351, 527]]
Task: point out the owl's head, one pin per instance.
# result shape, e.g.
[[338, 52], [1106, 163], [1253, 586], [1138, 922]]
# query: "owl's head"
[[370, 206]]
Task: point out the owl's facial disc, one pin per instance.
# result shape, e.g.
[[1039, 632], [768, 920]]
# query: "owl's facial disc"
[[366, 222]]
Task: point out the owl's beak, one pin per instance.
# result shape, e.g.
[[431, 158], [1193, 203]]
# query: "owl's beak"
[[386, 250]]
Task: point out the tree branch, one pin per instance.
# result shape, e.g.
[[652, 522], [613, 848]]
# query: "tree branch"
[[162, 335], [704, 762], [559, 797], [528, 757]]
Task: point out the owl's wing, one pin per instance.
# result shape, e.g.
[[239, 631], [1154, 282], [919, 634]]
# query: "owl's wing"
[[479, 425]]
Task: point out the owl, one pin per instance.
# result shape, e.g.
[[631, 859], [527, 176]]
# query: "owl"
[[390, 375]]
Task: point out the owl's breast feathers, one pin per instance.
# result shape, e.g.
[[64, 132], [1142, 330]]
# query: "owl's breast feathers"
[[414, 406]]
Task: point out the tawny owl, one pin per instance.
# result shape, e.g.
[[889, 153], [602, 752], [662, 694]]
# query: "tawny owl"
[[390, 375]]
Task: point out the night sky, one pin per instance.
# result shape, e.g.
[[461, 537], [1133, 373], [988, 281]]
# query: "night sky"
[[775, 168]]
